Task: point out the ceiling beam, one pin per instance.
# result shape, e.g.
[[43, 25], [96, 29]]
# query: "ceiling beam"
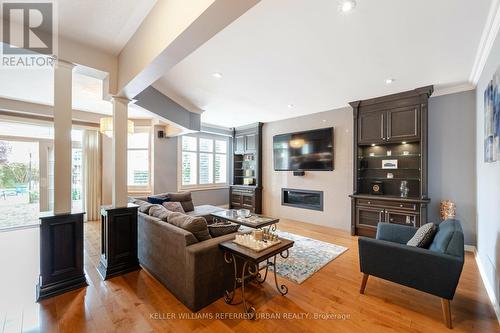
[[170, 32]]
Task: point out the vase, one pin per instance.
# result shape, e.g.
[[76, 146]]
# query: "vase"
[[448, 210]]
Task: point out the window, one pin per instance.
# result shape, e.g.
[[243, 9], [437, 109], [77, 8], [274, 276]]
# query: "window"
[[138, 160], [203, 161]]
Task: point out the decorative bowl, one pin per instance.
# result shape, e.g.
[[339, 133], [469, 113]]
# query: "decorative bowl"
[[243, 213]]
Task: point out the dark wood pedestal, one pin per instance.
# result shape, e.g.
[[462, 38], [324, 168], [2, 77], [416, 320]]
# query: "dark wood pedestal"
[[61, 255], [118, 241]]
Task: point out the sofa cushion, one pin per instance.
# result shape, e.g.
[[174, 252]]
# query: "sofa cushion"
[[173, 206], [145, 208], [449, 238], [184, 198], [221, 229], [139, 202], [158, 200], [424, 236], [159, 212], [196, 225]]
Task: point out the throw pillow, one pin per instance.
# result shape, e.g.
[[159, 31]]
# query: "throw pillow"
[[424, 236], [145, 208], [196, 225], [158, 200], [139, 202], [184, 198], [221, 229], [174, 206]]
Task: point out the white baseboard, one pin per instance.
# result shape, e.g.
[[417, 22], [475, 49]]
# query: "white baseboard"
[[489, 288], [470, 248]]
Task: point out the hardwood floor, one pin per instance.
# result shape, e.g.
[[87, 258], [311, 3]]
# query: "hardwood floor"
[[136, 302]]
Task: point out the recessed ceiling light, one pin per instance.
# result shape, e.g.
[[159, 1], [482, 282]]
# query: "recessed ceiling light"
[[324, 120], [290, 106], [389, 81], [373, 145], [347, 5], [217, 75], [404, 142]]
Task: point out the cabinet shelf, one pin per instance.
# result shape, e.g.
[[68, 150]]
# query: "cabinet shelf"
[[362, 169], [384, 178], [390, 156]]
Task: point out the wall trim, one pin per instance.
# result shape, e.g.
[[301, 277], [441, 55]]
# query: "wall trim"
[[489, 289], [490, 31], [447, 90]]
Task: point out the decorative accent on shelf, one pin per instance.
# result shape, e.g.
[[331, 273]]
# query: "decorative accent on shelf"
[[377, 187], [389, 164], [448, 210], [404, 189]]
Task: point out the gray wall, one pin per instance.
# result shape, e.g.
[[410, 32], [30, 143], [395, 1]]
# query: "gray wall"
[[452, 158], [488, 188], [165, 173]]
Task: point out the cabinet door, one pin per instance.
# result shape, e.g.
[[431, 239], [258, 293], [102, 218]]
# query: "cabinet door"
[[239, 144], [250, 142], [397, 217], [368, 216], [403, 124], [371, 127]]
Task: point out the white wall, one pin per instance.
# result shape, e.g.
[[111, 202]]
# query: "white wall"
[[488, 187], [337, 184]]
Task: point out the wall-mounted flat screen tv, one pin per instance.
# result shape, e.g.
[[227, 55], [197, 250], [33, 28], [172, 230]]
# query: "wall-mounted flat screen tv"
[[307, 151]]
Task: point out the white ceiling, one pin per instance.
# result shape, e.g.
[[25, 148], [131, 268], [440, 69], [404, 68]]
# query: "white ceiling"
[[308, 54], [103, 24]]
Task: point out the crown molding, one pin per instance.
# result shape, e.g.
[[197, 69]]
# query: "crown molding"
[[447, 90], [490, 31]]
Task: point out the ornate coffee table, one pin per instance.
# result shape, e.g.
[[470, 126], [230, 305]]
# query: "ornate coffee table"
[[253, 221], [251, 261]]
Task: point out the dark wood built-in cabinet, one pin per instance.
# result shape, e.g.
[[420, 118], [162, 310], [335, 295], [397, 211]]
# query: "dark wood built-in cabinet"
[[246, 188], [392, 127]]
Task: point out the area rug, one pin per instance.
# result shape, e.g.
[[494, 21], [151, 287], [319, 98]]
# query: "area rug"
[[307, 256]]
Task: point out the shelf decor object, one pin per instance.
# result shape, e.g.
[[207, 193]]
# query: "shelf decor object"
[[448, 210], [390, 161]]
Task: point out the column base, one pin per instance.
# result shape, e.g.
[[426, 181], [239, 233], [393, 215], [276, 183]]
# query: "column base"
[[61, 287], [108, 271], [118, 241]]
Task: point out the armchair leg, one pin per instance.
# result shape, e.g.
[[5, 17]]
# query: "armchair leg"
[[445, 304], [363, 283]]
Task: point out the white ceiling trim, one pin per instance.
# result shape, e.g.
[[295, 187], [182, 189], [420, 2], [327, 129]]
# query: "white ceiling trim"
[[490, 31], [440, 91]]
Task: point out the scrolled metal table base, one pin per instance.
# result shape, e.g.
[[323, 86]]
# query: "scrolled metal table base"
[[254, 271]]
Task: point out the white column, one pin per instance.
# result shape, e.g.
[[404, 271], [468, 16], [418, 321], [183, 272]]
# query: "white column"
[[119, 153], [63, 81]]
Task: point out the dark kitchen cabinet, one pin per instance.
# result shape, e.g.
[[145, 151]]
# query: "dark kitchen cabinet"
[[396, 125], [403, 124], [392, 127], [246, 188], [371, 127]]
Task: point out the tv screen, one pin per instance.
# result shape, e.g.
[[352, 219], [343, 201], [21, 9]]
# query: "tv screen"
[[308, 151]]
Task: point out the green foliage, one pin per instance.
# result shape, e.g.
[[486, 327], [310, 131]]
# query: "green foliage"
[[14, 174]]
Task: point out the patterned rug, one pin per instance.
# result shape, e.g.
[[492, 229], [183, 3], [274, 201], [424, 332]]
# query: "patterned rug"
[[307, 256]]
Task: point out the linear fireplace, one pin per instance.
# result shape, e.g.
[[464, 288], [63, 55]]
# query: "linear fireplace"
[[306, 199]]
